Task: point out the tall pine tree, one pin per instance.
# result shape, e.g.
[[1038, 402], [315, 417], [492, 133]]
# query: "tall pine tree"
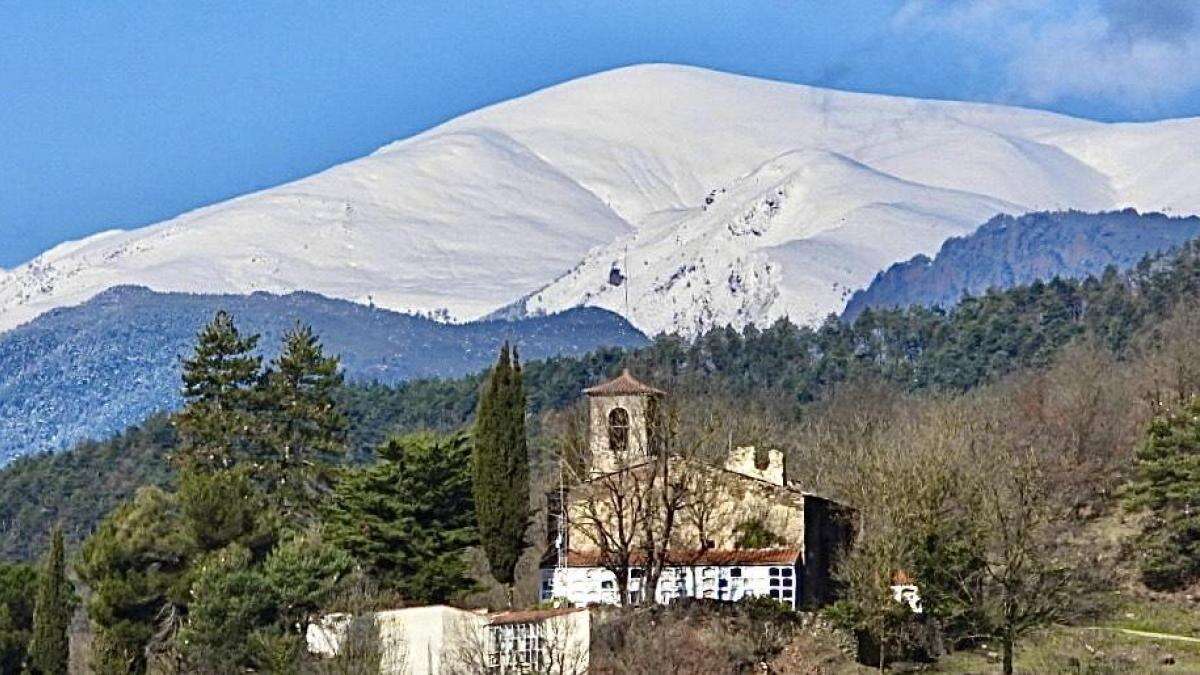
[[305, 430], [216, 426], [1166, 482], [407, 518], [49, 650], [501, 467]]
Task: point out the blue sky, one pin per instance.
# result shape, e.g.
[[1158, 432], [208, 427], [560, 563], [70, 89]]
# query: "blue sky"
[[118, 114]]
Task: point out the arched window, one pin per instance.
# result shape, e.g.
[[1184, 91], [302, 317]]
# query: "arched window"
[[618, 430]]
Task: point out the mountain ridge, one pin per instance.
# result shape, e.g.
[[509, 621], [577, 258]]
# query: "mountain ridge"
[[92, 370], [502, 203], [1009, 251]]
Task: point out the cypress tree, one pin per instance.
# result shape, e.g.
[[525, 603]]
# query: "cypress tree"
[[501, 467], [215, 426], [49, 650]]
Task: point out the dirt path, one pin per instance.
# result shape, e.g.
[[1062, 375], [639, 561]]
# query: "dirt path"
[[1146, 634]]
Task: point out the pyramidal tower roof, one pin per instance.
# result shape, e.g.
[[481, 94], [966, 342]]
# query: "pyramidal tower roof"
[[623, 385]]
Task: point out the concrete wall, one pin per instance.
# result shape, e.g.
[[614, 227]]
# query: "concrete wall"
[[421, 640], [440, 640]]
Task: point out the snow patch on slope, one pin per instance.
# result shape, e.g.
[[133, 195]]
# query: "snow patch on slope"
[[449, 227], [791, 238], [735, 200], [1152, 166]]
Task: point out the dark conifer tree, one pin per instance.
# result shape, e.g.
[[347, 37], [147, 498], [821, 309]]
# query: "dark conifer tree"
[[304, 427], [17, 580], [49, 650], [1166, 482], [501, 467], [407, 518], [215, 426]]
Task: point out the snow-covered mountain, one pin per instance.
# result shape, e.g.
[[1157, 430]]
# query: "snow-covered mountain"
[[678, 196]]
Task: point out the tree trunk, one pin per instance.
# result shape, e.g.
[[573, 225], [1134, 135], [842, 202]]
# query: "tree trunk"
[[1008, 655], [623, 588]]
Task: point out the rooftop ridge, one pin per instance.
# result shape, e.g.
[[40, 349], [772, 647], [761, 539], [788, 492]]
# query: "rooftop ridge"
[[624, 384]]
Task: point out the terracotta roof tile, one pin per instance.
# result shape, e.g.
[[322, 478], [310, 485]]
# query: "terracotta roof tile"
[[712, 556], [623, 385], [530, 615]]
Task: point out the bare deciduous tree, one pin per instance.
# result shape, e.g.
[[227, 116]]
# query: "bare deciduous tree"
[[476, 648], [631, 514], [1028, 579]]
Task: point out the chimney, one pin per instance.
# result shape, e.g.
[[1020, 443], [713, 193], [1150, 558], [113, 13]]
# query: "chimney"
[[741, 461]]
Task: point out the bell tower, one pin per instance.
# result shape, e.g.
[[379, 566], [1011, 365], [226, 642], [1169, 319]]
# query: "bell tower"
[[623, 413]]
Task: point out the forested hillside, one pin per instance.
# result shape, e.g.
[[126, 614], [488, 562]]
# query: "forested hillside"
[[1007, 251], [980, 340], [90, 371]]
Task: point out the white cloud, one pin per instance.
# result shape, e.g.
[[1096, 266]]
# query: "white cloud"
[[1132, 54], [956, 15]]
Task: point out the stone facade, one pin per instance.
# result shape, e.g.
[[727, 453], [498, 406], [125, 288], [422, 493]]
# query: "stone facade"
[[765, 466], [742, 512], [622, 417]]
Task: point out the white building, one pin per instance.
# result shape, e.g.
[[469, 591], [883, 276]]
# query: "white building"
[[799, 534], [441, 640], [714, 574]]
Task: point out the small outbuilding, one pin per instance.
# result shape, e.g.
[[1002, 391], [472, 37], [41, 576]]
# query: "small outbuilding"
[[440, 639]]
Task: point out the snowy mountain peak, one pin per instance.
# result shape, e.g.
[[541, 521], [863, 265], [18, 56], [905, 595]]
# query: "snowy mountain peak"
[[682, 197]]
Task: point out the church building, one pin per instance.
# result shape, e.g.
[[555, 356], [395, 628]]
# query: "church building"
[[739, 527]]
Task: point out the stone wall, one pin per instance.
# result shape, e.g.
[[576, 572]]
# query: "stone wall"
[[599, 407]]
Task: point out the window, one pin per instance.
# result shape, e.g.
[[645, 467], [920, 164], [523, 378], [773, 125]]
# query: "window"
[[787, 593], [515, 648], [787, 571], [775, 593], [774, 572], [723, 583], [787, 582], [606, 585], [635, 573], [774, 582], [735, 572], [618, 430]]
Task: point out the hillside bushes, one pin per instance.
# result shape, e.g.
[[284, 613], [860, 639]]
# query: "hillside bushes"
[[262, 533]]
